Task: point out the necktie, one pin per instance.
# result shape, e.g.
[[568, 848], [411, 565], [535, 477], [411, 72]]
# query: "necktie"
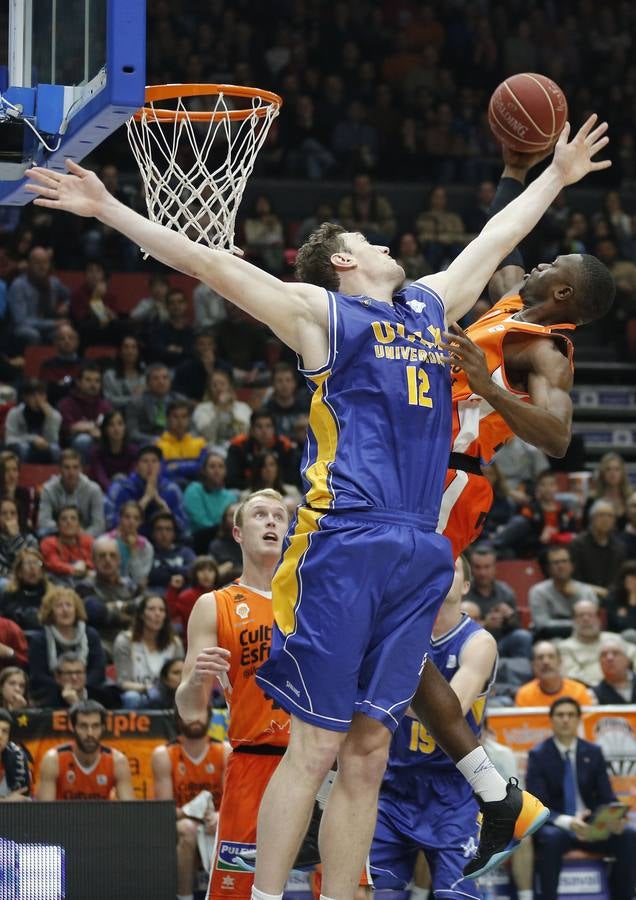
[[569, 786]]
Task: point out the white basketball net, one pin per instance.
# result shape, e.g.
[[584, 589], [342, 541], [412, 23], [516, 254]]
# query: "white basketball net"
[[194, 173]]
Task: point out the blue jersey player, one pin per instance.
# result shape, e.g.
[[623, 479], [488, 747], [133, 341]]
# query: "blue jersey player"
[[425, 803], [363, 572]]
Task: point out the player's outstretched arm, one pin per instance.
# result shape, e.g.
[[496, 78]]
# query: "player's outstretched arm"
[[464, 280], [290, 309]]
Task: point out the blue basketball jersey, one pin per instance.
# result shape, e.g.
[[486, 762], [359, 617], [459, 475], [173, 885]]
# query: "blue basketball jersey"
[[413, 751], [380, 417]]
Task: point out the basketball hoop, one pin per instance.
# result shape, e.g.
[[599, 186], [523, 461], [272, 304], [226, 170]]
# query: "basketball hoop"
[[195, 163]]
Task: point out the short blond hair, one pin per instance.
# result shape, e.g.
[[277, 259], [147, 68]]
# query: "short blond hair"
[[45, 613], [265, 494]]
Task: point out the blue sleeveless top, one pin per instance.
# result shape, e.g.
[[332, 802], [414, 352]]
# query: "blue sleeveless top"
[[380, 418]]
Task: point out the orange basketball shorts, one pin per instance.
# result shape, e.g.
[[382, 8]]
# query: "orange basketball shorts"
[[465, 504]]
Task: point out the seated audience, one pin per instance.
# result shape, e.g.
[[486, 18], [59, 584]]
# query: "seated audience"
[[266, 474], [12, 538], [618, 684], [110, 598], [69, 553], [611, 482], [146, 413], [153, 492], [172, 559], [32, 429], [135, 551], [287, 400], [597, 553], [152, 310], [94, 307], [172, 341], [221, 417], [203, 576], [209, 307], [126, 379], [549, 684], [206, 499], [244, 448], [503, 505], [569, 775], [64, 630], [37, 300], [169, 681], [83, 410], [65, 363], [620, 602], [13, 645], [140, 653], [182, 450], [552, 601], [521, 463], [264, 236], [114, 456], [85, 769], [580, 651], [71, 685], [71, 488], [628, 535], [14, 689], [15, 764], [22, 597], [192, 376], [224, 550], [25, 497]]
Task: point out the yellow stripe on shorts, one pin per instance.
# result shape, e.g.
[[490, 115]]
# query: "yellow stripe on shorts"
[[287, 583]]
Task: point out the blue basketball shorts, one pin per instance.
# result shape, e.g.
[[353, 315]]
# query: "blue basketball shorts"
[[355, 597], [441, 820]]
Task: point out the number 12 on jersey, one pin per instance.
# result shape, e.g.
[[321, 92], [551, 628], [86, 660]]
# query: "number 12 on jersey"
[[418, 386]]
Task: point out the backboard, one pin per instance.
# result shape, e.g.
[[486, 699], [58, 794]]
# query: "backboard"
[[76, 71]]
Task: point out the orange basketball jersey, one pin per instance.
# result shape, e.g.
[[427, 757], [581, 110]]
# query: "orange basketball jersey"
[[244, 627], [74, 782], [190, 777], [478, 430]]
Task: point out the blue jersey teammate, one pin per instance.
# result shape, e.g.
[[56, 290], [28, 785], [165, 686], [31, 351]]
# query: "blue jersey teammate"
[[425, 803], [363, 572]]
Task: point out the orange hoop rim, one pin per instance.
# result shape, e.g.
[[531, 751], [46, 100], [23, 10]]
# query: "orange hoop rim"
[[157, 92]]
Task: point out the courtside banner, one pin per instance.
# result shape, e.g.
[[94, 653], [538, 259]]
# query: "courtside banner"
[[611, 727]]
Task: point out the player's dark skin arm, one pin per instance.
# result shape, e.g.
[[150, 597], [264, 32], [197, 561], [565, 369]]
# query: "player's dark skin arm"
[[437, 707]]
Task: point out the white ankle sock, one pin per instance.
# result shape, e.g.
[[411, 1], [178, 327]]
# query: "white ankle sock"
[[482, 776], [418, 893], [324, 897], [261, 895], [525, 895]]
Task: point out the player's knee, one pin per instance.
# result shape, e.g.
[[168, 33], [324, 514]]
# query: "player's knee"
[[364, 755], [187, 831], [312, 752]]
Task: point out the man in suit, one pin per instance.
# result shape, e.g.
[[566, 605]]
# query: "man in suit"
[[569, 776]]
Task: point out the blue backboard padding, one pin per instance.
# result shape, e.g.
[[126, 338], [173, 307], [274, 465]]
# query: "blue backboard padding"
[[50, 108], [21, 96], [4, 78], [107, 110]]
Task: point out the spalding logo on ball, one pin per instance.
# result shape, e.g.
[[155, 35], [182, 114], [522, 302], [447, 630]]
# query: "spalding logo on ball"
[[527, 112]]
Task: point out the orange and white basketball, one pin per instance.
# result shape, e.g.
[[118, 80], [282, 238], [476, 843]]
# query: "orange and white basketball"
[[527, 112]]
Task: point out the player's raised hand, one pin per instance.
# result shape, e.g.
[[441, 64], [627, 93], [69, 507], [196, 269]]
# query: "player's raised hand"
[[574, 159], [211, 663], [468, 356], [80, 192]]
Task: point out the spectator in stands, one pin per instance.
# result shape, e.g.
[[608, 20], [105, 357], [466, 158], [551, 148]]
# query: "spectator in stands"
[[135, 551], [355, 145], [224, 550], [192, 376], [15, 763], [153, 309], [266, 474], [85, 769], [411, 258], [206, 499], [109, 597], [169, 681], [620, 602], [203, 576], [114, 456], [13, 645], [611, 483], [569, 775], [502, 506], [222, 417], [549, 684], [150, 489], [146, 414], [32, 429], [521, 464], [94, 307], [552, 601], [628, 535], [580, 652], [172, 341], [287, 400], [618, 685], [140, 653], [264, 236], [597, 553], [23, 594], [209, 307], [71, 685], [64, 630], [71, 488], [440, 232], [69, 553], [367, 211], [245, 447], [14, 686], [242, 341], [12, 538], [83, 410], [172, 559], [25, 497], [126, 378], [182, 450], [477, 215], [539, 523], [37, 300], [67, 360]]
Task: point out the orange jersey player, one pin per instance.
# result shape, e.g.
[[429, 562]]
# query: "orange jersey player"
[[85, 769], [229, 636]]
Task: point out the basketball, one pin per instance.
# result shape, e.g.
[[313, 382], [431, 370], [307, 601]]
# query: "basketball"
[[527, 112]]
